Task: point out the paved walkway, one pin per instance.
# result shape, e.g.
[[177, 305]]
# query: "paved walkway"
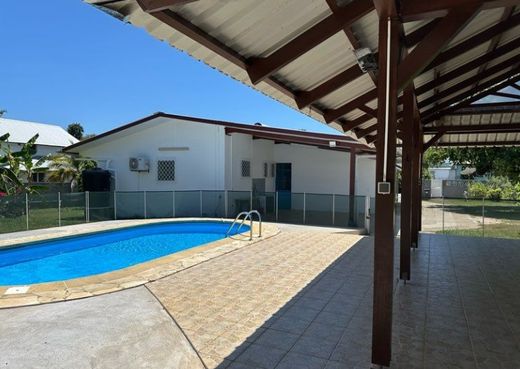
[[127, 329], [301, 299]]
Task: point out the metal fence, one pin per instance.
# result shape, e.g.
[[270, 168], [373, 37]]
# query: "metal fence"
[[35, 211], [475, 217]]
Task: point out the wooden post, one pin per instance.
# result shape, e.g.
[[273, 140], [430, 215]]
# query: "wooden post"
[[389, 48], [352, 186], [406, 183], [416, 180]]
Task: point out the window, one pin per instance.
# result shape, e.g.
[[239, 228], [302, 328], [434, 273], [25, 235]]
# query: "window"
[[273, 170], [246, 168], [38, 177], [265, 170], [166, 170]]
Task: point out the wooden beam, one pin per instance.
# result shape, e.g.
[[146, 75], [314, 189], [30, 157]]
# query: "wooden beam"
[[467, 67], [474, 41], [437, 39], [433, 140], [495, 41], [468, 82], [389, 50], [370, 139], [305, 98], [406, 184], [261, 68], [152, 6], [480, 128], [489, 108], [405, 74], [366, 131], [476, 143], [350, 125], [516, 86], [331, 115], [412, 10], [507, 95], [467, 97]]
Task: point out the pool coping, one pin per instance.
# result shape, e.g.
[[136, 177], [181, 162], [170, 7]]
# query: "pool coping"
[[133, 276]]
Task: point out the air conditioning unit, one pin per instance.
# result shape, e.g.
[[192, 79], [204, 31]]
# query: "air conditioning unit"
[[139, 164]]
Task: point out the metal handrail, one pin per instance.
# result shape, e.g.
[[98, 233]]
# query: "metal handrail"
[[248, 215]]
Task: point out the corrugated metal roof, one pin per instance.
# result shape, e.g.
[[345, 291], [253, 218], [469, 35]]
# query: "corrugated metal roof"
[[49, 134], [254, 29]]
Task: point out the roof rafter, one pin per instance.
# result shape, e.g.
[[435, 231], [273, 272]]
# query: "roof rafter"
[[447, 55], [304, 98], [261, 68], [151, 6], [475, 63], [495, 41], [433, 140], [505, 94], [477, 143], [412, 10], [467, 97], [468, 82], [437, 39], [481, 128]]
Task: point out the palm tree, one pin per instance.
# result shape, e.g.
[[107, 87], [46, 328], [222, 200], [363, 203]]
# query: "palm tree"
[[65, 168]]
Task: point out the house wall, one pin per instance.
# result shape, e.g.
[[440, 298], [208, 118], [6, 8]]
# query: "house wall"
[[198, 151], [365, 176], [213, 159]]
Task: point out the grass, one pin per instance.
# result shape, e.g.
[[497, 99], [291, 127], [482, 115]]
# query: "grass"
[[507, 210], [507, 213], [502, 230], [42, 218]]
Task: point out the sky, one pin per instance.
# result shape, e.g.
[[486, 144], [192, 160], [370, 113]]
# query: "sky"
[[64, 61]]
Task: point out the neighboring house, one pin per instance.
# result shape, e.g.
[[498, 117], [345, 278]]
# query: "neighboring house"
[[166, 152], [446, 170], [51, 139]]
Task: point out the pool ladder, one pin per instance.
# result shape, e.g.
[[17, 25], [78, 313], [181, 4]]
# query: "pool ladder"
[[247, 215]]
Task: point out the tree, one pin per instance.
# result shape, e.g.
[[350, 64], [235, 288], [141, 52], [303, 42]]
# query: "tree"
[[76, 130], [17, 168], [495, 161], [65, 168]]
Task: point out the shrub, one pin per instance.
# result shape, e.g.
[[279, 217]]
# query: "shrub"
[[477, 190]]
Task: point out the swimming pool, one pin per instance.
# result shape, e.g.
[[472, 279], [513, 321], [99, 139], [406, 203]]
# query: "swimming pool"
[[101, 252]]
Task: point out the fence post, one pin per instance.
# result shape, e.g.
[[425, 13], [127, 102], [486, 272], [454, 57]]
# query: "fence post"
[[173, 204], [87, 206], [115, 205], [27, 210], [443, 214], [367, 214], [483, 214], [225, 203], [200, 202], [304, 198], [276, 205], [144, 204], [333, 209], [59, 209], [250, 200]]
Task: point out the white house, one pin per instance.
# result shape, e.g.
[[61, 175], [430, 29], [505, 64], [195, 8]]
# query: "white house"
[[165, 152], [51, 138]]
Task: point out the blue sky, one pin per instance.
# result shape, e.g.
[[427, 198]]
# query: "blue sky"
[[63, 61]]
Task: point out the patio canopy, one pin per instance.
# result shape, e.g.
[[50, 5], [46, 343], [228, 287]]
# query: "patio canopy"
[[382, 71]]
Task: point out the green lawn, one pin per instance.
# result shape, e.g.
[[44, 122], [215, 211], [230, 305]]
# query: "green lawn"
[[507, 213], [42, 218], [503, 230], [507, 210]]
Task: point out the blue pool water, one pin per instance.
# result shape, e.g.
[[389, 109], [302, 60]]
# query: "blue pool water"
[[94, 253]]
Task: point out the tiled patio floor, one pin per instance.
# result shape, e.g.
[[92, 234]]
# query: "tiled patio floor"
[[302, 299]]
